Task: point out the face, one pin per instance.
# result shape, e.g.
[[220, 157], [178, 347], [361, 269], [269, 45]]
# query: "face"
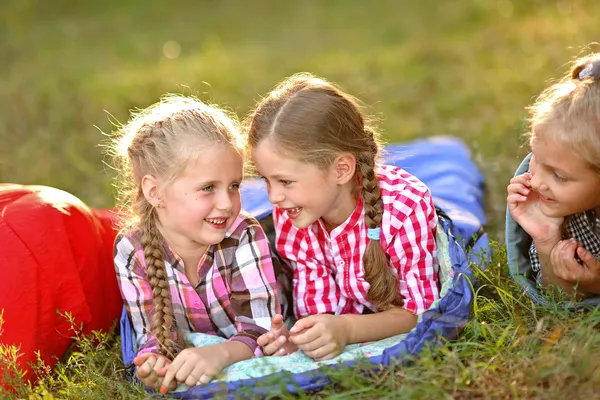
[[566, 184], [304, 191], [198, 208]]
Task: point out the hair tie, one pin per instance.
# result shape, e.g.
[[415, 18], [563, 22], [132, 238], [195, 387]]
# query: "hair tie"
[[587, 71], [373, 233]]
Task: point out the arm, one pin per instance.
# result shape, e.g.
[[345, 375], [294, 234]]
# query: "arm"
[[254, 288], [381, 325], [412, 252], [136, 293]]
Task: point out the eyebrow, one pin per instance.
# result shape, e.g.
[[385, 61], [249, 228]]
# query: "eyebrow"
[[239, 179]]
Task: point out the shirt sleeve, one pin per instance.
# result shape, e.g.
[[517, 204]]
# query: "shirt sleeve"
[[136, 293], [315, 289], [254, 289], [412, 251]]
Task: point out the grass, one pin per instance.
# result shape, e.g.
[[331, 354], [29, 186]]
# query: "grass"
[[465, 68]]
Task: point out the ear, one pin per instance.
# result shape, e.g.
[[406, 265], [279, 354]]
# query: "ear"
[[345, 167], [150, 189]]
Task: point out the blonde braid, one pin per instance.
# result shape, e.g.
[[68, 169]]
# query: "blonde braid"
[[382, 291], [157, 276]]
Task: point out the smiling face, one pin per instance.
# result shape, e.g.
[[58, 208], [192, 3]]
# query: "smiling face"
[[305, 191], [198, 208], [566, 184]]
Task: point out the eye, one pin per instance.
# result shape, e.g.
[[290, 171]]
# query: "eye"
[[207, 188], [558, 178], [285, 183], [234, 186]]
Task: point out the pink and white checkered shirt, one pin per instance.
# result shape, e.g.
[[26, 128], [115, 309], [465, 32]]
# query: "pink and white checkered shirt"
[[328, 269], [236, 298]]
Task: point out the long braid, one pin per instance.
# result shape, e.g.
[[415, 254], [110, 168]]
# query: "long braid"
[[382, 291], [163, 312]]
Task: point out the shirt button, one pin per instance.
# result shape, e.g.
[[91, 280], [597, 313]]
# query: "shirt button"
[[342, 262]]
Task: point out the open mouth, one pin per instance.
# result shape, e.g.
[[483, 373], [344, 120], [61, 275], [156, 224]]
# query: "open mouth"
[[293, 212], [217, 223]]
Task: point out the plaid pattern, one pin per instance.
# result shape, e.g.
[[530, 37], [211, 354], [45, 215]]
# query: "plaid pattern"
[[583, 227], [328, 273], [236, 297]]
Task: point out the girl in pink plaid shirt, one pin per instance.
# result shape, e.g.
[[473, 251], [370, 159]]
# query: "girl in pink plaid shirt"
[[359, 237], [189, 261]]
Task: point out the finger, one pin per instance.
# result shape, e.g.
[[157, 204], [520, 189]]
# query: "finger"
[[523, 179], [205, 379], [171, 373], [277, 322], [263, 340], [518, 188], [310, 335], [274, 347], [588, 258], [303, 324], [325, 352], [515, 198], [147, 367], [141, 359]]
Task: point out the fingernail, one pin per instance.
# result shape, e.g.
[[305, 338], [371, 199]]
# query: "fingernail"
[[163, 390]]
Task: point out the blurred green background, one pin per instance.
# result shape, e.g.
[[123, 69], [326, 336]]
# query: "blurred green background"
[[427, 67]]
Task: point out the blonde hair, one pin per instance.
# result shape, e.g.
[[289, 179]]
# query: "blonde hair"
[[315, 121], [569, 111], [159, 141]]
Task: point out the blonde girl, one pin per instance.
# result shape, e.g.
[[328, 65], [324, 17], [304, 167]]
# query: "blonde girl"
[[358, 235], [189, 260], [557, 200]]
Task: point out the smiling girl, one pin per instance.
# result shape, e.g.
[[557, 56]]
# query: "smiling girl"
[[557, 203]]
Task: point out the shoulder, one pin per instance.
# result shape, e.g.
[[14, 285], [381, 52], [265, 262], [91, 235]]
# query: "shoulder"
[[244, 225], [127, 242], [402, 192]]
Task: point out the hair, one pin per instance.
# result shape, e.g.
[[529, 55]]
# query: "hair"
[[162, 140], [569, 111], [316, 121]]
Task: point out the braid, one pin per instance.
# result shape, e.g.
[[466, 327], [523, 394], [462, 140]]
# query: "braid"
[[163, 316], [382, 292]]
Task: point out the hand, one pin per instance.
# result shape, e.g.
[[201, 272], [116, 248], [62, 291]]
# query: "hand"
[[194, 366], [276, 342], [148, 365], [524, 207], [565, 266], [321, 337]]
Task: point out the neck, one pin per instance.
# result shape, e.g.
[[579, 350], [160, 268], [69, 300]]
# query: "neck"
[[343, 206], [189, 251]]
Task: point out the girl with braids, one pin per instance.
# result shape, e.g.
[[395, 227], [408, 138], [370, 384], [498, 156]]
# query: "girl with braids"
[[189, 260], [555, 196], [359, 236]]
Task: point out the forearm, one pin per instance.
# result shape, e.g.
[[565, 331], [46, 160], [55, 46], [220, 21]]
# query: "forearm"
[[381, 325], [235, 351]]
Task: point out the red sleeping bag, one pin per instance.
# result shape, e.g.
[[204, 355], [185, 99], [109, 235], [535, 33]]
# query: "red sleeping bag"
[[56, 256]]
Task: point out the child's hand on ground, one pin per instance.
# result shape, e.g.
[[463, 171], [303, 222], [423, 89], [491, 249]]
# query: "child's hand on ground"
[[194, 366], [321, 337], [523, 206], [565, 266], [276, 342], [148, 366]]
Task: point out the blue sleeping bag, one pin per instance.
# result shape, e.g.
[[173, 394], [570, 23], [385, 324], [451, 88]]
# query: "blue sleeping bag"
[[518, 243], [445, 166]]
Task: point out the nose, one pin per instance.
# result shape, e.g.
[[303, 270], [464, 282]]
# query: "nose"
[[223, 201], [537, 182], [275, 195]]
